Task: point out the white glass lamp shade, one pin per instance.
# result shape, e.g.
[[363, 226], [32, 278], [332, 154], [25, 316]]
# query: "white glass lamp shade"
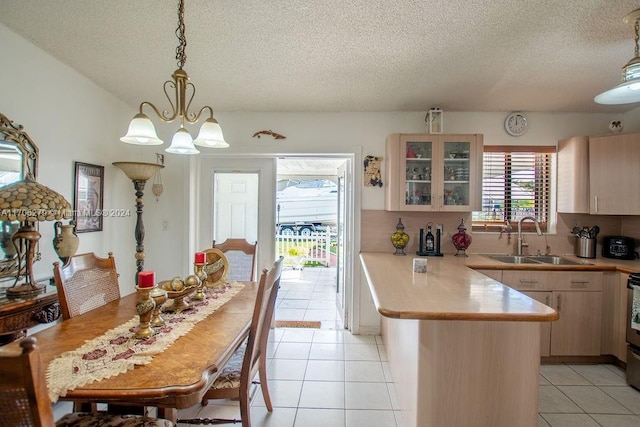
[[141, 132], [211, 135], [182, 143], [626, 92]]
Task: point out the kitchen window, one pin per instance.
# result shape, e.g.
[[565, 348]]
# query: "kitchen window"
[[516, 182]]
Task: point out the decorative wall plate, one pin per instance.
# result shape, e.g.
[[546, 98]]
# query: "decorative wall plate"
[[217, 267]]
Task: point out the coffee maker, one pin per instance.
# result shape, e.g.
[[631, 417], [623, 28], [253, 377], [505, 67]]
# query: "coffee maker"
[[429, 243]]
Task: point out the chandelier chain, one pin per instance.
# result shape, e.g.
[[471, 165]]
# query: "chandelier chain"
[[181, 55]]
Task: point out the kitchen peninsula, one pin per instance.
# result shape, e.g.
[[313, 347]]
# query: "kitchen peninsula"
[[464, 349]]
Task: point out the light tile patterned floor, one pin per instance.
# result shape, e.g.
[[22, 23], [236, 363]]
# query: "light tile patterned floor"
[[586, 395], [328, 377], [309, 294]]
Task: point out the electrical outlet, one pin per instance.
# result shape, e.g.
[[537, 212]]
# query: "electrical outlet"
[[165, 225]]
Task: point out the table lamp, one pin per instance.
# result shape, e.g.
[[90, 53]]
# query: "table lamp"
[[28, 201], [139, 173]]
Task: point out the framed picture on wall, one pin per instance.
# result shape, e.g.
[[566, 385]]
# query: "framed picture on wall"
[[88, 197]]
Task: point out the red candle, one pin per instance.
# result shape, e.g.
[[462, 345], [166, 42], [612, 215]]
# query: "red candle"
[[146, 279], [200, 258]]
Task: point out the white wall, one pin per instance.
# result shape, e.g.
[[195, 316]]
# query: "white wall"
[[70, 119]]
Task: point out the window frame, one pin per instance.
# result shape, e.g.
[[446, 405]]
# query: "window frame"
[[540, 204]]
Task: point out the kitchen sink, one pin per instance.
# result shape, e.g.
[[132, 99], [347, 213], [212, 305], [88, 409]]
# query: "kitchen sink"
[[554, 259], [533, 259], [513, 259]]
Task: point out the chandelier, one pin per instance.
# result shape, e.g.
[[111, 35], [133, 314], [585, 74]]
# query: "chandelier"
[[141, 130], [628, 91]]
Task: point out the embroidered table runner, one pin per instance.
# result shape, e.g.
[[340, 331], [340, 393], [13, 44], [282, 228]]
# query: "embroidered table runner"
[[117, 351]]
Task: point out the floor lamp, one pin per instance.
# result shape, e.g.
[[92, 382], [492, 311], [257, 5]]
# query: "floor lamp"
[[139, 173]]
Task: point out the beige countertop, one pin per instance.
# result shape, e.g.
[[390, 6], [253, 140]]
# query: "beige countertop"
[[450, 290]]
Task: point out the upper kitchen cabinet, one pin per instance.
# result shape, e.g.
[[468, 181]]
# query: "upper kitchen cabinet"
[[614, 175], [573, 175], [599, 175], [428, 172]]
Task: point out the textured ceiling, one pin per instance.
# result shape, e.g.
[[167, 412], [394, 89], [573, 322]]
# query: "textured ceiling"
[[343, 55]]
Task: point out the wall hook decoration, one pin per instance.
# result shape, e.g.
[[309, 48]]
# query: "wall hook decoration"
[[268, 132], [372, 177]]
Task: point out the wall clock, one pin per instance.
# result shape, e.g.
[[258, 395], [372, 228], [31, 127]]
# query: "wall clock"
[[515, 124]]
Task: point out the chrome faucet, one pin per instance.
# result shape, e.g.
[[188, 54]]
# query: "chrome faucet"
[[521, 243]]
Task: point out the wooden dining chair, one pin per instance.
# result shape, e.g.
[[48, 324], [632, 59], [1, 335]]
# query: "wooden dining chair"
[[24, 400], [241, 256], [86, 282], [235, 378]]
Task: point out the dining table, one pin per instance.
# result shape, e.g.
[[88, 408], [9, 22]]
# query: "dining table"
[[175, 378]]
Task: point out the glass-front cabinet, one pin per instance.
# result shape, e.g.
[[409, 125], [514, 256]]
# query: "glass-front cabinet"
[[429, 172]]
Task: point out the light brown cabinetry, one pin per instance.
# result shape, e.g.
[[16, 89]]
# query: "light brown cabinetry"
[[599, 175], [614, 175], [577, 297], [427, 172], [614, 315], [573, 175]]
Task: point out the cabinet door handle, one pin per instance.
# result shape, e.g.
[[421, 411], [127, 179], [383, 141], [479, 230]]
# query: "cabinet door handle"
[[579, 283], [558, 302], [528, 281], [595, 200], [547, 300]]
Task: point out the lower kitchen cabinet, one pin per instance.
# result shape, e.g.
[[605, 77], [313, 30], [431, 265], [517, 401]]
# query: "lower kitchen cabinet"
[[577, 297], [614, 315], [545, 328]]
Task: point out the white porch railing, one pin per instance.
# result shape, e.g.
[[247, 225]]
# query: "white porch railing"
[[297, 250]]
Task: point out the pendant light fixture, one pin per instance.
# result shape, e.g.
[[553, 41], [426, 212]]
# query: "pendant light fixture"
[[628, 91], [141, 130]]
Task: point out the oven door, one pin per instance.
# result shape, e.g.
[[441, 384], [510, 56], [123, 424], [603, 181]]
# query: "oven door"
[[633, 335]]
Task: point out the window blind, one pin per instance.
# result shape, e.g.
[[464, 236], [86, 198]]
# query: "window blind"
[[516, 183]]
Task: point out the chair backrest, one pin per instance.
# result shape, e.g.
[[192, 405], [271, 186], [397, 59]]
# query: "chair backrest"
[[86, 282], [241, 256], [261, 321], [24, 400]]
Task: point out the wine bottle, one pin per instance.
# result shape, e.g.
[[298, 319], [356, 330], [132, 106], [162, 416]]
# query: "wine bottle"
[[429, 240]]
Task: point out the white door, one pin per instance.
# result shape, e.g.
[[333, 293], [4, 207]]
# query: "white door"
[[342, 247], [235, 206], [237, 199]]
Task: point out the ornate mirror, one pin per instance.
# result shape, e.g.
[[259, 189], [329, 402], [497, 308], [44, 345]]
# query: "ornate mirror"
[[18, 159]]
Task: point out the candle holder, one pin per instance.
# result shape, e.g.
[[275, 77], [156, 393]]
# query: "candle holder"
[[201, 274], [159, 296], [144, 308]]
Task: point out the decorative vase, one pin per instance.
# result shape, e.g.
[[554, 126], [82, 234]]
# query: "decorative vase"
[[461, 240], [399, 239], [65, 241], [7, 231]]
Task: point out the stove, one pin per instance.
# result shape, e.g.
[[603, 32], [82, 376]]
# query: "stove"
[[633, 330]]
